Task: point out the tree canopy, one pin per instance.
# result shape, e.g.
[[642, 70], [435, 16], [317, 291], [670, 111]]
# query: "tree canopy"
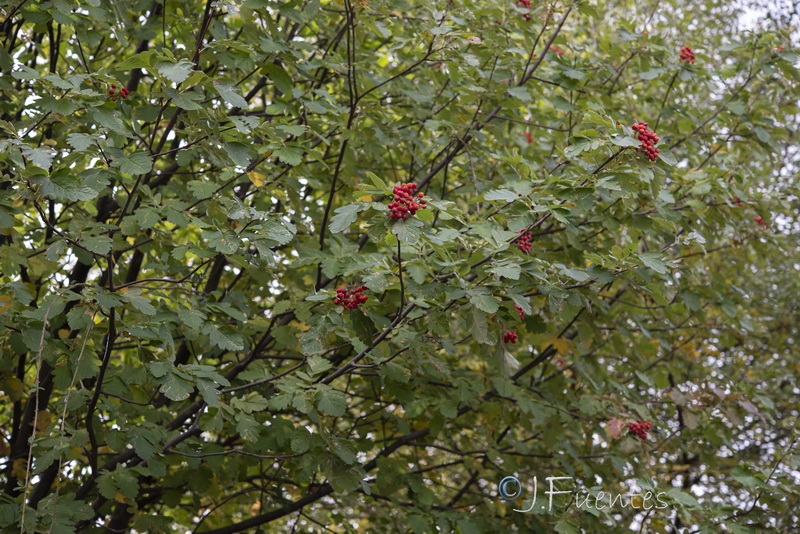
[[336, 266]]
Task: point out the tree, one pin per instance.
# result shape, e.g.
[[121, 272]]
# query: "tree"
[[314, 266]]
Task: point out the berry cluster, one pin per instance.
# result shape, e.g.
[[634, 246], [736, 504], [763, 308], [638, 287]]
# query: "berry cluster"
[[557, 50], [560, 362], [649, 140], [510, 337], [687, 55], [780, 48], [351, 300], [406, 201], [527, 5], [113, 92], [736, 201], [525, 242], [641, 428], [521, 313], [527, 136], [761, 223]]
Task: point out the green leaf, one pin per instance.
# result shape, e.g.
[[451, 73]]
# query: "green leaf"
[[653, 260], [279, 77], [737, 107], [135, 164], [290, 155], [139, 302], [625, 141], [683, 498], [225, 338], [666, 156], [188, 100], [106, 486], [98, 244], [41, 157], [239, 153], [229, 94], [253, 402], [511, 271], [501, 194], [176, 388], [345, 216], [332, 402], [408, 230], [484, 302], [175, 72], [144, 443]]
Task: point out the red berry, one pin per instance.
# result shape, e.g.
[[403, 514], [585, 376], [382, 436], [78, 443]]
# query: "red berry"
[[510, 337], [406, 201], [524, 243], [640, 428]]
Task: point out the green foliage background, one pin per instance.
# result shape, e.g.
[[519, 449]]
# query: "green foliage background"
[[172, 359]]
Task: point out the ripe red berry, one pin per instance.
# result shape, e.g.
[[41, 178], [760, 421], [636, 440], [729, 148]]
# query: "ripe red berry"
[[648, 139], [350, 300], [640, 428], [406, 201], [528, 137], [510, 337], [687, 55], [521, 313], [527, 5], [525, 242]]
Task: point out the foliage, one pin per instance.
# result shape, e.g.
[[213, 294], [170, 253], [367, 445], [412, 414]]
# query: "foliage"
[[172, 356]]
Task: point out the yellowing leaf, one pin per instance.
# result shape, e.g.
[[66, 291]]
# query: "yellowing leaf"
[[257, 178], [5, 303], [615, 427], [559, 343], [18, 468], [13, 388], [43, 420], [365, 198]]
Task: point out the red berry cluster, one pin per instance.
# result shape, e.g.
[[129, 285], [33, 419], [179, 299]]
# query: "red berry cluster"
[[761, 223], [510, 337], [406, 201], [351, 300], [780, 48], [113, 92], [736, 201], [557, 50], [525, 242], [560, 362], [641, 428], [521, 313], [687, 55], [649, 140], [527, 5], [528, 136]]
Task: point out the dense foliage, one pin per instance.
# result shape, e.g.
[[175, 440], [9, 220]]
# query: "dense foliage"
[[224, 310]]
